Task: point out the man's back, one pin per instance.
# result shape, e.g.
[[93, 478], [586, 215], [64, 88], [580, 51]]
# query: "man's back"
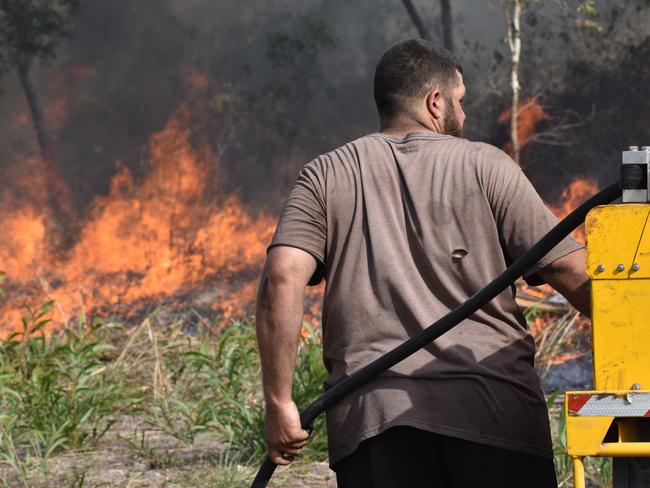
[[406, 229], [405, 225]]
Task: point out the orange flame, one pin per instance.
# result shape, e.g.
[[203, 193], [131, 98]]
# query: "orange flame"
[[194, 80], [143, 241], [530, 114], [573, 196], [82, 71], [56, 113], [157, 237]]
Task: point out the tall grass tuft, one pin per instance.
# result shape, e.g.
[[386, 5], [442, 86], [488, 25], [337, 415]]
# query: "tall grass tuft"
[[217, 389], [58, 392]]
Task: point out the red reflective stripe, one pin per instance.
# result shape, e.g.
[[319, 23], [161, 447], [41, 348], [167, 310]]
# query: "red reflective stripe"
[[647, 414], [576, 402]]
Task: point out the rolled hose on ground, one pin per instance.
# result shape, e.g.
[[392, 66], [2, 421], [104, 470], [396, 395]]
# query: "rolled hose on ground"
[[335, 394]]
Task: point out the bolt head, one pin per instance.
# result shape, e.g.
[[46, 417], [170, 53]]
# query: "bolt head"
[[636, 386], [636, 266], [620, 267], [600, 268]]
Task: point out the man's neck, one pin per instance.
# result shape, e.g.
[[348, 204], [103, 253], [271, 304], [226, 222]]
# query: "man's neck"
[[401, 126]]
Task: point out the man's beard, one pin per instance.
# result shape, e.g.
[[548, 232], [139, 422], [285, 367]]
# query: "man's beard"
[[451, 127]]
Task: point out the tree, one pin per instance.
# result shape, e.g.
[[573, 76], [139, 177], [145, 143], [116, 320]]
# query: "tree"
[[417, 20], [513, 16], [580, 17], [447, 32], [296, 71], [423, 32], [31, 30]]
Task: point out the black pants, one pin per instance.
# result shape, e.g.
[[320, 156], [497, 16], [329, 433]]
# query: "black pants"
[[404, 457]]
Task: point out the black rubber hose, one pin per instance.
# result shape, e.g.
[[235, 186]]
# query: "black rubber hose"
[[335, 394]]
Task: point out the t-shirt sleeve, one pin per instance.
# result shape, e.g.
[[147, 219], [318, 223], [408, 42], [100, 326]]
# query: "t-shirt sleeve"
[[303, 221], [521, 216]]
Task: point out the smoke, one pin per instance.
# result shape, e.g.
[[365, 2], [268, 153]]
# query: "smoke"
[[173, 122], [270, 84]]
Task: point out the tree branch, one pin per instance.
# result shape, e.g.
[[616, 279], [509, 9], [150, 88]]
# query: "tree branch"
[[447, 33], [417, 20]]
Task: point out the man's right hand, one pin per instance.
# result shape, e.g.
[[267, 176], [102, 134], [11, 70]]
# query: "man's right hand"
[[285, 437]]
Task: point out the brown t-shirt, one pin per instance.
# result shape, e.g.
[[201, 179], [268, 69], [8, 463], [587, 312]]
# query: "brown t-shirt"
[[404, 231]]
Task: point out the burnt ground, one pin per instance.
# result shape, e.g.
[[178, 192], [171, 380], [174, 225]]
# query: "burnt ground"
[[572, 374]]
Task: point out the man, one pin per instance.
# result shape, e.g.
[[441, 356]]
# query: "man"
[[404, 225]]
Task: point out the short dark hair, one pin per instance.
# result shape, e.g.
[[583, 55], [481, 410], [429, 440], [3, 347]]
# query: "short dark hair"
[[407, 70]]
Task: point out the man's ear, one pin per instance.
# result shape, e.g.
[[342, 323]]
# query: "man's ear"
[[435, 103]]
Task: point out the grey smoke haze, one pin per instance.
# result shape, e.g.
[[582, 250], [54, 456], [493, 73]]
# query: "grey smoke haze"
[[126, 69]]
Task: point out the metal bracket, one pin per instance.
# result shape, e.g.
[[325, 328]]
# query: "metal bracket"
[[635, 178]]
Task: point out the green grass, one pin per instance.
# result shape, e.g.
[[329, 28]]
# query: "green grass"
[[57, 393], [214, 386], [61, 394]]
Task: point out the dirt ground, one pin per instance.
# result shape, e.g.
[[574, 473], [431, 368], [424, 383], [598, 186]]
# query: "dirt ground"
[[131, 456]]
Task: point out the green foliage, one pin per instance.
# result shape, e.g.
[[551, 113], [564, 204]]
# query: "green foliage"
[[63, 392], [587, 16], [56, 393], [588, 8], [227, 103], [217, 389], [296, 70], [563, 465], [212, 383], [285, 50], [141, 446], [33, 28], [308, 382]]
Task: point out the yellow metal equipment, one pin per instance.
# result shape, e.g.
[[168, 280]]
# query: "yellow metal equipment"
[[614, 419]]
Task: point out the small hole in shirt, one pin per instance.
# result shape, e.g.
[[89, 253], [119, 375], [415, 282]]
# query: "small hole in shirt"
[[458, 254]]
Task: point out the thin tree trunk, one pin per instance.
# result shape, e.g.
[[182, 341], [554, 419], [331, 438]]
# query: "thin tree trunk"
[[35, 109], [447, 33], [58, 197], [514, 43], [417, 20]]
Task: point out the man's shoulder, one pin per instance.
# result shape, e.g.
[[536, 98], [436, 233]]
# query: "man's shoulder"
[[489, 157], [482, 150], [433, 140], [480, 153], [338, 155]]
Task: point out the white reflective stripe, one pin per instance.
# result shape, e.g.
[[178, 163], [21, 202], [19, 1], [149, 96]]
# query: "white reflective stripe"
[[628, 405]]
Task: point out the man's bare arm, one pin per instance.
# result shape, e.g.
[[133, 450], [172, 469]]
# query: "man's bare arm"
[[567, 275], [278, 324]]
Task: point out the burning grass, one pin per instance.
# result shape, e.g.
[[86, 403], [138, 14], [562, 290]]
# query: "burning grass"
[[148, 239]]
